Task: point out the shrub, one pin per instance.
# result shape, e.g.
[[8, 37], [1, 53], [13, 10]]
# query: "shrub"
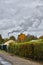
[[28, 50], [38, 51], [11, 48]]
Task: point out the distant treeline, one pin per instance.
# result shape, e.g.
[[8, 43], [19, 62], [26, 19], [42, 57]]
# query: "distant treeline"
[[21, 38]]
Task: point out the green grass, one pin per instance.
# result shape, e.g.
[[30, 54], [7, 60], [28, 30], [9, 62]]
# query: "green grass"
[[2, 51]]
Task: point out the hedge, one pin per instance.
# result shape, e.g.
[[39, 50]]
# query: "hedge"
[[33, 50]]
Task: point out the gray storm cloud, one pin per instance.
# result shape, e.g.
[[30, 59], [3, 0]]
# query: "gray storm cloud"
[[18, 16]]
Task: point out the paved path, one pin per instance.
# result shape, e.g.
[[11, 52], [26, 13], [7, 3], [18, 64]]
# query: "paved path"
[[18, 61]]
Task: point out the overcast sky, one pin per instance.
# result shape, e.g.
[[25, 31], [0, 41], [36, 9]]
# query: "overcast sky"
[[18, 16]]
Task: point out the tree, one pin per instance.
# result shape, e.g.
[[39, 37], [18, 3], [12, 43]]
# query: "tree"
[[31, 37], [1, 39], [41, 37], [6, 39], [12, 38], [21, 37]]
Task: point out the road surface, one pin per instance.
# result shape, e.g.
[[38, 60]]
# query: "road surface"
[[18, 61]]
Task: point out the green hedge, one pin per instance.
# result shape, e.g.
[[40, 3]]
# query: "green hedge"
[[38, 51], [33, 50]]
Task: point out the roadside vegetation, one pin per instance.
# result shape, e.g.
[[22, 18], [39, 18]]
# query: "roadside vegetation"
[[31, 49], [28, 46]]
